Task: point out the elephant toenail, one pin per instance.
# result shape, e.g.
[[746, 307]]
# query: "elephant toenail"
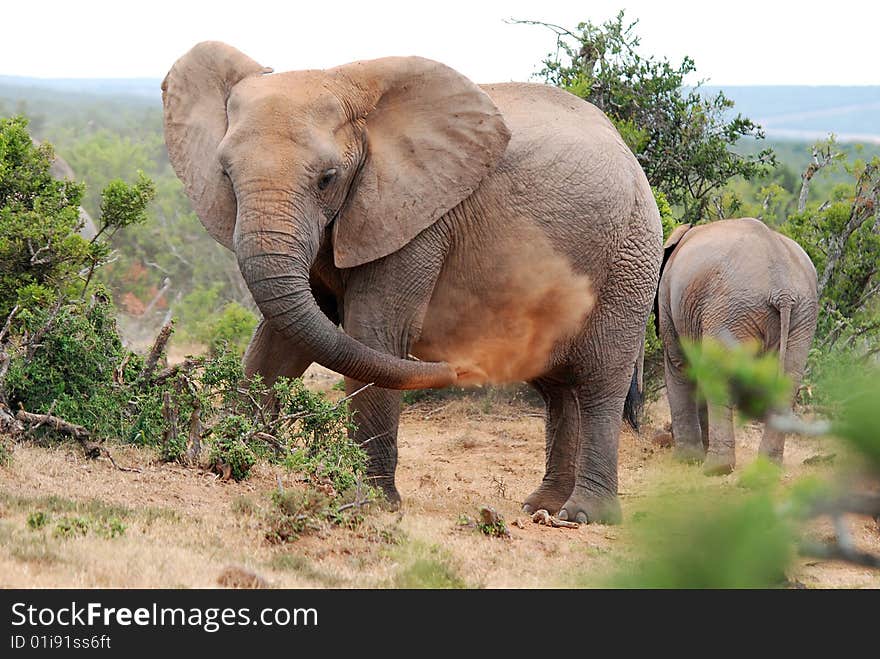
[[581, 518], [563, 514]]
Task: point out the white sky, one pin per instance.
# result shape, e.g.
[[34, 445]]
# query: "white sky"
[[736, 42]]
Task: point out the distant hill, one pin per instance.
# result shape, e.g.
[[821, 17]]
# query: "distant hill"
[[810, 113], [797, 113], [143, 88]]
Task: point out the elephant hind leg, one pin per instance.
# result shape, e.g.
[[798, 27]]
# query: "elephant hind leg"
[[561, 447], [773, 441], [721, 454], [704, 423], [688, 430]]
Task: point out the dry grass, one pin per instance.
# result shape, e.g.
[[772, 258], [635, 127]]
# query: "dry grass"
[[184, 528]]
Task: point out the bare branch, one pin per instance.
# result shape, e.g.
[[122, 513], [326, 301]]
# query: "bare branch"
[[34, 342], [854, 504], [352, 395], [835, 552], [864, 205], [194, 443], [789, 423], [182, 368], [29, 421], [166, 284], [823, 155], [8, 323], [156, 351]]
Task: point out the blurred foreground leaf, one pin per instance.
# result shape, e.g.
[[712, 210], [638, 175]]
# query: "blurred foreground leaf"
[[737, 375], [697, 542]]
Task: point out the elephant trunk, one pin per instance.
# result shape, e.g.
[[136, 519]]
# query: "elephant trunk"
[[276, 264]]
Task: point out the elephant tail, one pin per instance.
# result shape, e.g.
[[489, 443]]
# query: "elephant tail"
[[783, 304], [635, 397]]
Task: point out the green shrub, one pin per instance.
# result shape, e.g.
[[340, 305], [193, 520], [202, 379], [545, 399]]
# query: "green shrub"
[[426, 566], [315, 432], [294, 512], [206, 317], [71, 527], [37, 520], [109, 528], [229, 447], [231, 329]]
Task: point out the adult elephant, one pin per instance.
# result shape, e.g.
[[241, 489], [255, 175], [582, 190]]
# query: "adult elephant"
[[731, 280], [496, 233]]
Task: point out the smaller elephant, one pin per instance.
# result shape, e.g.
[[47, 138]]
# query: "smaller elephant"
[[731, 280]]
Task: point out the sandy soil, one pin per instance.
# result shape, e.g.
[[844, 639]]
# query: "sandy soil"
[[184, 528]]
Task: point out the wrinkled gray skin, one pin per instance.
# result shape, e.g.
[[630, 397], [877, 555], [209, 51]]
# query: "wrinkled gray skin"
[[451, 206], [731, 280]]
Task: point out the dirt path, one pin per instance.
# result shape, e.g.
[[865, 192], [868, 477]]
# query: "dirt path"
[[184, 527]]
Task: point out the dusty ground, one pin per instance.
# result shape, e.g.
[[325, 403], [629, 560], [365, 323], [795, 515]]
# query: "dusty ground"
[[184, 527]]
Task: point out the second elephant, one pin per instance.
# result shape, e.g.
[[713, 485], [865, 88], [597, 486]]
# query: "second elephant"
[[731, 280]]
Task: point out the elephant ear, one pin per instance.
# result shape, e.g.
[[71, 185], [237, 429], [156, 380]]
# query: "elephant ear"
[[668, 247], [674, 238], [194, 94], [431, 136]]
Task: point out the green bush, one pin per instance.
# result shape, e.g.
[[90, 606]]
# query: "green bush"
[[426, 566], [229, 446], [71, 527], [37, 520], [231, 329]]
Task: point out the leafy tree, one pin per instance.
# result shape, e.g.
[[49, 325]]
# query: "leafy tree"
[[42, 256], [683, 139], [39, 248]]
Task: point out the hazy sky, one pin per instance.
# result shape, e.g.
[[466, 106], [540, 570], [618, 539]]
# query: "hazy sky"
[[740, 42]]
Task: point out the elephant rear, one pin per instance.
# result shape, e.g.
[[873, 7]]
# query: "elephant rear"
[[731, 279]]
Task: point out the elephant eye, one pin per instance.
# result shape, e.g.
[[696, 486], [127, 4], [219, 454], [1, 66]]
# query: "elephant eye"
[[326, 178]]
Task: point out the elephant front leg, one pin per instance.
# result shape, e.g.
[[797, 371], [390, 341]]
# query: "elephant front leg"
[[561, 450], [272, 355], [376, 415], [721, 456]]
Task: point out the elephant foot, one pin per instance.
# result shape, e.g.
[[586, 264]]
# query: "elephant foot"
[[718, 464], [689, 453], [549, 496], [390, 496], [773, 456], [588, 508]]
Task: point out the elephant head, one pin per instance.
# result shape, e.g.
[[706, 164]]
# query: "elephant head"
[[371, 153]]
